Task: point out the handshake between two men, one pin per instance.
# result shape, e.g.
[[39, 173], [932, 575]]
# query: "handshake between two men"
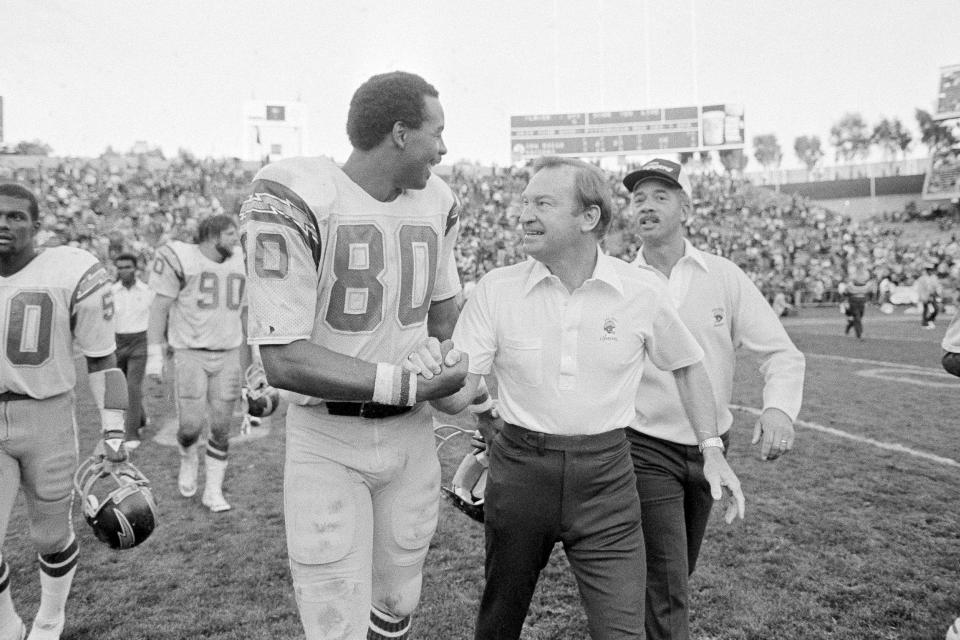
[[444, 379]]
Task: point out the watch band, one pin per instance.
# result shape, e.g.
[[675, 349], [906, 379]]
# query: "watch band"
[[715, 441]]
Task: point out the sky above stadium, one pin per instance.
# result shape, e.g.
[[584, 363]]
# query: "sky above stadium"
[[83, 75]]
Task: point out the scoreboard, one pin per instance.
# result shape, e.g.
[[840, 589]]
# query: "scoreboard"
[[273, 129], [948, 99], [620, 133]]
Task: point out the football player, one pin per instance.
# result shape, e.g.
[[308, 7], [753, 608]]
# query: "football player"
[[349, 269], [200, 306], [50, 302]]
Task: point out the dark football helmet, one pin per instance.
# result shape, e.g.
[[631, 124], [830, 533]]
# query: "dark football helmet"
[[469, 482], [125, 513]]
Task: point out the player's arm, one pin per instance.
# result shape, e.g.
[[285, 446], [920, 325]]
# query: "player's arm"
[[314, 370], [246, 351], [109, 388], [444, 310], [442, 318], [92, 324], [156, 333]]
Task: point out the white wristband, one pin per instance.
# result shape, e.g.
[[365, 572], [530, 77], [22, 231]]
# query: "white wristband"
[[394, 385], [412, 395], [111, 420], [383, 387], [154, 366]]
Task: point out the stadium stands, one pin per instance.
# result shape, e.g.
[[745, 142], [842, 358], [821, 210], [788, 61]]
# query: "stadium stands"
[[786, 244]]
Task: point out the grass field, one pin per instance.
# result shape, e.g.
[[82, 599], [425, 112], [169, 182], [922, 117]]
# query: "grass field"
[[855, 535]]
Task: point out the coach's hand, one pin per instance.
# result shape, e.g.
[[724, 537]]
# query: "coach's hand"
[[425, 359], [722, 480], [489, 424], [774, 429], [451, 378]]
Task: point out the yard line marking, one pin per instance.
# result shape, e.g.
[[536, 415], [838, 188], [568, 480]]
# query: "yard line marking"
[[850, 436], [840, 319], [881, 363], [889, 371], [901, 375]]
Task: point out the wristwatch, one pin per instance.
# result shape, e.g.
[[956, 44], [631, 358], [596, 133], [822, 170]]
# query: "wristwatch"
[[715, 441]]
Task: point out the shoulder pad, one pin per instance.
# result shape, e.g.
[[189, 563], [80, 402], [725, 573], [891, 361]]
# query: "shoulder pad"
[[92, 279], [453, 215]]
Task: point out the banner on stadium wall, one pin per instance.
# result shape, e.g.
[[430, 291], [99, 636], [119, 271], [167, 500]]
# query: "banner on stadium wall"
[[625, 133], [943, 175], [948, 99]]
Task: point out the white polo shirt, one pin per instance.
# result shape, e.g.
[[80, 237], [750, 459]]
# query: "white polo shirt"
[[724, 310], [570, 363], [131, 306]]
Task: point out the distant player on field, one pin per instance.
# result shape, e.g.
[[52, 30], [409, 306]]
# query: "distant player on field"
[[201, 290], [856, 297], [50, 302], [349, 270]]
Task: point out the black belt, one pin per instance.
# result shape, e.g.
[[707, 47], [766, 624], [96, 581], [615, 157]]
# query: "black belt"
[[9, 396], [370, 410]]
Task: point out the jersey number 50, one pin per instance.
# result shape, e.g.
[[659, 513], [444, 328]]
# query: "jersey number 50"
[[29, 327]]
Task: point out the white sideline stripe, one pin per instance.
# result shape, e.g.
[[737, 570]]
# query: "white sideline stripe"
[[902, 376], [849, 436], [881, 363]]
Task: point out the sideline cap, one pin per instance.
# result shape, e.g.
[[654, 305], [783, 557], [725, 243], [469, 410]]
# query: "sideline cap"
[[661, 169]]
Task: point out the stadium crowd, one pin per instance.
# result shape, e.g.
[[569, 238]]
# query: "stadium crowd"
[[116, 204]]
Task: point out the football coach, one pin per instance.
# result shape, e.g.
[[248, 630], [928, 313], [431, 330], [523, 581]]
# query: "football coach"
[[567, 334]]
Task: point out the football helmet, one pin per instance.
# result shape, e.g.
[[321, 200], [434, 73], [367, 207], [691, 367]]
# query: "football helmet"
[[262, 399], [125, 513], [469, 482]]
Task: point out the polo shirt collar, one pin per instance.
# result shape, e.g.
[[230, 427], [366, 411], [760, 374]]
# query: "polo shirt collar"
[[604, 271], [689, 251]]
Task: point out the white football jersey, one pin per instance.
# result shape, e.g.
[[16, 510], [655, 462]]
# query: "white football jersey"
[[209, 296], [60, 299], [329, 263]]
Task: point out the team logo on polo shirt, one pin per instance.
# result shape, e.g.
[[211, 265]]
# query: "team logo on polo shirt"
[[609, 330], [717, 316]]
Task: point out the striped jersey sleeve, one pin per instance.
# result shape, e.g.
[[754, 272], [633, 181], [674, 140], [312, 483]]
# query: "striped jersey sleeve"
[[166, 274], [448, 279], [92, 311], [281, 242]]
